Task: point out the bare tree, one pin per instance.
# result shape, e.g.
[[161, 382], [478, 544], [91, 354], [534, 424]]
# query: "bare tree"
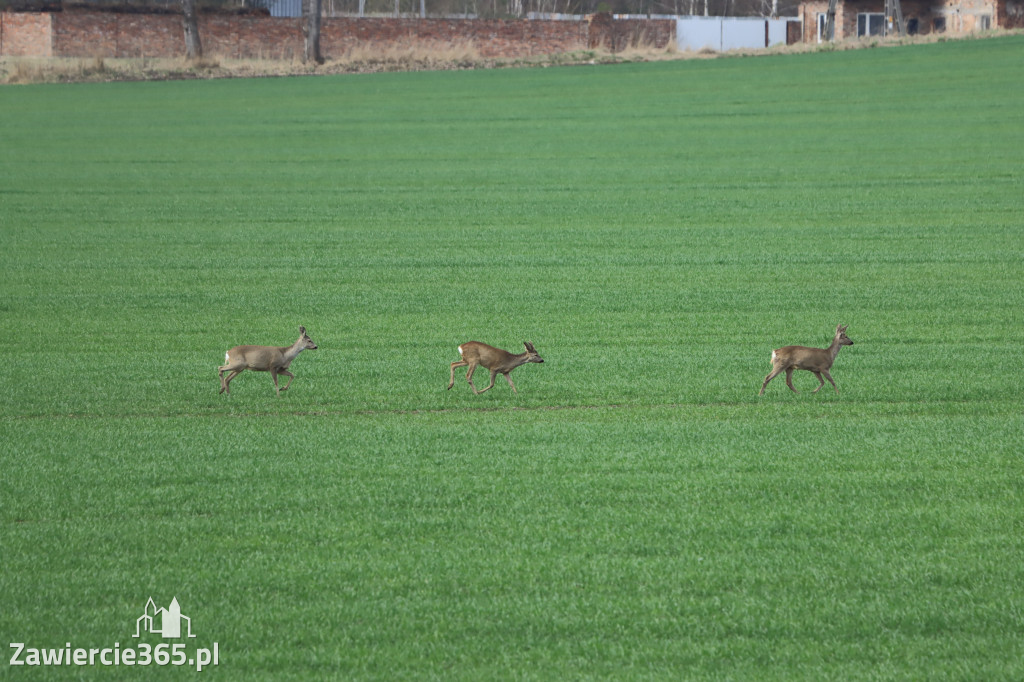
[[311, 13], [190, 20]]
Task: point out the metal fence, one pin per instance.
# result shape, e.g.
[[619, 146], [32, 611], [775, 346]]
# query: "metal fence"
[[730, 33], [278, 8], [284, 8]]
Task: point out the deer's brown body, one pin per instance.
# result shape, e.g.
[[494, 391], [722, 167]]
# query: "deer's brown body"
[[273, 359], [816, 360], [475, 354]]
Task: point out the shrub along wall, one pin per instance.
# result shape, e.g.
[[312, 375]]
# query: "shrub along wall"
[[81, 33]]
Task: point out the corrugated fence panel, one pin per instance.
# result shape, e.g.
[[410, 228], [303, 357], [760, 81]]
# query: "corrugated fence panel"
[[696, 33], [738, 33], [286, 8], [777, 31], [728, 33]]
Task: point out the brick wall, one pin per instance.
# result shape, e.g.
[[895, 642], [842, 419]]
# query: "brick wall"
[[491, 37], [1010, 13], [25, 34], [967, 15], [247, 37], [618, 34], [957, 15], [80, 33]]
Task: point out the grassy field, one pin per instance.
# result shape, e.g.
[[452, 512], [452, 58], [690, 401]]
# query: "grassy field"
[[637, 511]]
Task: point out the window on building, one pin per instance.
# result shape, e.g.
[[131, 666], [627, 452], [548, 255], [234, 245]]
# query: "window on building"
[[869, 24], [822, 17], [984, 22], [939, 24], [912, 26]]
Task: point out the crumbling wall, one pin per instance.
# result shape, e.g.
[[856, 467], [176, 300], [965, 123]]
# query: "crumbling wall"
[[26, 34], [616, 35], [91, 33], [955, 16], [1010, 13]]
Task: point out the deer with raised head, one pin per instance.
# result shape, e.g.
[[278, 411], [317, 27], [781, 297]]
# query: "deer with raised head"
[[273, 359], [498, 361], [816, 360]]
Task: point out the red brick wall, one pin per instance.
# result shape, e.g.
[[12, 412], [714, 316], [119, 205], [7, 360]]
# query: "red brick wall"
[[25, 34], [248, 37], [85, 34], [491, 37], [1010, 13], [110, 34], [619, 34], [144, 35]]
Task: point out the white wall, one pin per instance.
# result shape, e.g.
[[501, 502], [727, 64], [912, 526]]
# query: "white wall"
[[728, 33]]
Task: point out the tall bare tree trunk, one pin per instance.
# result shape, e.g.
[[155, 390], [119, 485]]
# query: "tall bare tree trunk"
[[190, 20], [311, 10]]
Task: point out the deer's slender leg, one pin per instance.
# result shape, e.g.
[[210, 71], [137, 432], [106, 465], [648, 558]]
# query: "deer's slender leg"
[[789, 380], [821, 382], [469, 376], [829, 377], [290, 377], [509, 379], [460, 363], [233, 370], [771, 375], [226, 383], [494, 373]]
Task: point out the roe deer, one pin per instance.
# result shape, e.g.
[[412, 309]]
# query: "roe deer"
[[273, 359], [495, 359], [817, 360]]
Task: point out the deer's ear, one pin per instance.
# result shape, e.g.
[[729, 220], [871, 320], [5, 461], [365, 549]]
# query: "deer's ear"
[[302, 330]]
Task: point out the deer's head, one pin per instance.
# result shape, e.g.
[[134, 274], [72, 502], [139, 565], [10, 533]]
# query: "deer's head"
[[531, 353], [307, 343], [841, 336]]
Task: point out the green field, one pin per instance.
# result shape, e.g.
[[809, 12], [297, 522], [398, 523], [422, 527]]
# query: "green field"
[[636, 511]]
